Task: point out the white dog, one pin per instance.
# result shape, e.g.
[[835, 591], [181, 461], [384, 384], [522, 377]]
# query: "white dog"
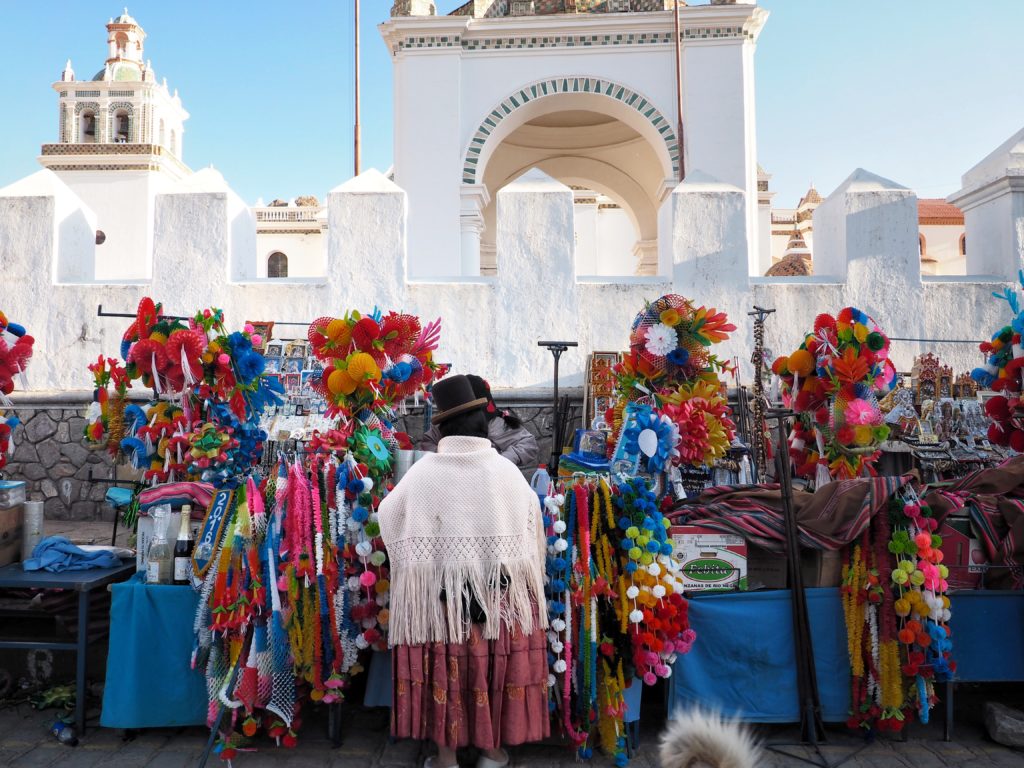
[[701, 739]]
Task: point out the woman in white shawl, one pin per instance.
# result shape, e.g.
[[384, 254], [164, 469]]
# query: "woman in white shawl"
[[466, 543]]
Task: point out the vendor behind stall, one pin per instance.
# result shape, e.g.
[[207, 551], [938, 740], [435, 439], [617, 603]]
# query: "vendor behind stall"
[[506, 432]]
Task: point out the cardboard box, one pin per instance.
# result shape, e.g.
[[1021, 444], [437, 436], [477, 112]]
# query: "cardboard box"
[[962, 553], [820, 568], [12, 493], [765, 570], [12, 528], [710, 560]]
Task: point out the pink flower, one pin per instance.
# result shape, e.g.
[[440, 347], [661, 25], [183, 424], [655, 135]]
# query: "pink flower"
[[860, 412]]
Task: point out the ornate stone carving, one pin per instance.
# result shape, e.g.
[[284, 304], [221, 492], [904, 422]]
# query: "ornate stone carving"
[[414, 8]]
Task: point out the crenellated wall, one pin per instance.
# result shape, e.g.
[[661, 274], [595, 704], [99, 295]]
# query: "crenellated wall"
[[866, 256]]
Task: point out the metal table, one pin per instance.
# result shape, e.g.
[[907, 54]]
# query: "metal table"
[[83, 582]]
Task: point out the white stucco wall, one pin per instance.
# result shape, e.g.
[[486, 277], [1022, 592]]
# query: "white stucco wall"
[[942, 243], [123, 204], [306, 252]]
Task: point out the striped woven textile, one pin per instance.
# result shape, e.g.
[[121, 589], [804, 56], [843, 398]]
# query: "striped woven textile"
[[994, 500], [176, 494], [829, 518]]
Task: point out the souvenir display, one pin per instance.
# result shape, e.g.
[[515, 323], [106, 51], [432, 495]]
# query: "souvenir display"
[[1002, 373], [897, 616], [210, 392], [833, 381], [15, 352], [616, 607], [670, 408]]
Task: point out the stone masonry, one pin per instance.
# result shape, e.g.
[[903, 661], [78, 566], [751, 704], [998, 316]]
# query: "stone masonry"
[[51, 456]]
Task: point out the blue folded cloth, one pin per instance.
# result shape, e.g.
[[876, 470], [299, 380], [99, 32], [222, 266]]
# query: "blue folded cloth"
[[119, 497], [56, 554]]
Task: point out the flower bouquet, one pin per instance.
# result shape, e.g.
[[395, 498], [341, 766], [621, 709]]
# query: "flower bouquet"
[[833, 381]]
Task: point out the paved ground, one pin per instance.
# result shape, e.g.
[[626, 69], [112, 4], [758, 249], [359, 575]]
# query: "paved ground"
[[26, 743]]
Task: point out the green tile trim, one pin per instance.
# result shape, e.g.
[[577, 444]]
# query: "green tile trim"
[[554, 86]]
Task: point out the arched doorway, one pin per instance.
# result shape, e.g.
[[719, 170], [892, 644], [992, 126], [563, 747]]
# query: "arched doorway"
[[594, 136]]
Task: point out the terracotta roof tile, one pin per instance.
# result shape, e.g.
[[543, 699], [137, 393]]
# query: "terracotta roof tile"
[[935, 210]]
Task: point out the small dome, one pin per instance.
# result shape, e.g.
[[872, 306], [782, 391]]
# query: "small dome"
[[791, 266], [124, 18], [811, 198], [121, 71]]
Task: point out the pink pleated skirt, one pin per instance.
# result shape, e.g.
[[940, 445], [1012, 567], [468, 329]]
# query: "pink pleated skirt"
[[481, 693]]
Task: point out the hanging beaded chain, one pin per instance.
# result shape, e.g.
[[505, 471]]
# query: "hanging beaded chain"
[[760, 430], [557, 567]]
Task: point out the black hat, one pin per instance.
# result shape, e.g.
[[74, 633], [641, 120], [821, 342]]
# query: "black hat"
[[452, 396]]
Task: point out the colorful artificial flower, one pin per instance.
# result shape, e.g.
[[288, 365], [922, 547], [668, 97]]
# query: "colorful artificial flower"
[[833, 381], [661, 339]]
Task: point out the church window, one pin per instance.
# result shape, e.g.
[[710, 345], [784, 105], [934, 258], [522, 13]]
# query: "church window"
[[174, 142], [921, 246], [163, 137], [122, 127], [277, 265], [963, 245], [87, 128]]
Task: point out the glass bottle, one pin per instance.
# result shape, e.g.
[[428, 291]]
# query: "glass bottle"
[[183, 548], [159, 562]]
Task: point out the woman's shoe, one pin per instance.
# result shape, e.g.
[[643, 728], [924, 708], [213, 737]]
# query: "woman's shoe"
[[485, 762]]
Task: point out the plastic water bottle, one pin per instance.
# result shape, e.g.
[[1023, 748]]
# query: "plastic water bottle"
[[64, 733], [541, 482]]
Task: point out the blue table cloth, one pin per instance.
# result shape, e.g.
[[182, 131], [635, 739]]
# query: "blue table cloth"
[[743, 661], [988, 635], [150, 683]]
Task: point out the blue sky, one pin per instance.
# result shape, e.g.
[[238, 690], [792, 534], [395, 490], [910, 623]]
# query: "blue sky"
[[914, 91]]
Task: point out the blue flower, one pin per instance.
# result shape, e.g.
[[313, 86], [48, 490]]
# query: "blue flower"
[[249, 365], [678, 357], [239, 344]]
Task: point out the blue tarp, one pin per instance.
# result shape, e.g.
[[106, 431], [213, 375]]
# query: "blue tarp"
[[743, 661], [56, 554], [150, 683]]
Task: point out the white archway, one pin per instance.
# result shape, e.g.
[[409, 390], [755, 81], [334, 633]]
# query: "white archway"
[[570, 93]]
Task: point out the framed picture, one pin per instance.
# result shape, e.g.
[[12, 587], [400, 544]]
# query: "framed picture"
[[292, 365], [265, 330], [274, 349], [308, 377], [292, 382], [273, 365], [296, 349], [312, 364], [300, 409]]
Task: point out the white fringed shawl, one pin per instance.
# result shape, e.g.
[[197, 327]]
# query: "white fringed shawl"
[[457, 521]]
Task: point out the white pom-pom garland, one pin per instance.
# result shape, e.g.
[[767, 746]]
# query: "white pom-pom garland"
[[636, 616], [558, 625], [632, 593], [561, 545], [658, 591], [367, 484], [559, 666], [559, 526]]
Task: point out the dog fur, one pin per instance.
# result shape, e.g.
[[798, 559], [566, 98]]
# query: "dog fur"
[[702, 739]]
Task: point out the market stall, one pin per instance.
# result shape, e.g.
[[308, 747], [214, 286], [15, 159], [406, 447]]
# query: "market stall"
[[668, 531]]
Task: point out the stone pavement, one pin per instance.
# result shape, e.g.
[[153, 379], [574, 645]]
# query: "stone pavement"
[[25, 743]]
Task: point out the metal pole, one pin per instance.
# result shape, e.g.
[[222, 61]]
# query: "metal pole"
[[357, 138], [679, 93]]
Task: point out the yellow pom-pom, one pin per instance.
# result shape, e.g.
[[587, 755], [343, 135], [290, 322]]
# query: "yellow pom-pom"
[[362, 367], [801, 363]]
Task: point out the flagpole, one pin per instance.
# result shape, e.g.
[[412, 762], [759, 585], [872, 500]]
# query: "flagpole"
[[679, 93], [357, 140]]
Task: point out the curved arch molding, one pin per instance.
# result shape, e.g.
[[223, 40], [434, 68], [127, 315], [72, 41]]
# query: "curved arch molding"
[[560, 85]]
